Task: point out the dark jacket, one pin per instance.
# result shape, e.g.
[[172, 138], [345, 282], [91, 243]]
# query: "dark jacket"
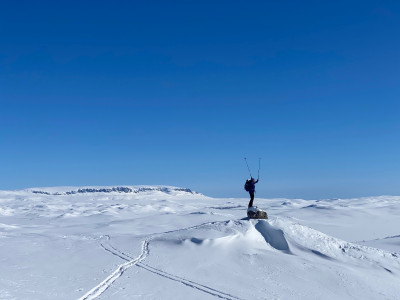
[[251, 185]]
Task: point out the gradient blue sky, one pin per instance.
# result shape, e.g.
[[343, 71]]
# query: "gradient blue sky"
[[178, 92]]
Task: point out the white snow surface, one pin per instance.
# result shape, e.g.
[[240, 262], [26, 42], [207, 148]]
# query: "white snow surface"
[[159, 242]]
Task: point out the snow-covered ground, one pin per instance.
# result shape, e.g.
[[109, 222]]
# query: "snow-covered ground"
[[141, 242]]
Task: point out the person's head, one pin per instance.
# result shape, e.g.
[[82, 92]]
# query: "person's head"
[[252, 179]]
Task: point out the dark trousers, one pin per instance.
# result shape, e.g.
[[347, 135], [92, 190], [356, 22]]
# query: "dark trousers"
[[251, 199]]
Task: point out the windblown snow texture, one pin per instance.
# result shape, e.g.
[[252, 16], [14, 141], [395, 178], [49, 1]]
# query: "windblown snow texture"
[[156, 242]]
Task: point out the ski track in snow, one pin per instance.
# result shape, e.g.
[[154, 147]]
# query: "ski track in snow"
[[105, 284], [379, 239], [188, 283], [130, 262]]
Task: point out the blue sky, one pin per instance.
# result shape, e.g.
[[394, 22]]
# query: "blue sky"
[[178, 93]]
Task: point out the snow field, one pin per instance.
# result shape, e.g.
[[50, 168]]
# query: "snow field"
[[171, 243]]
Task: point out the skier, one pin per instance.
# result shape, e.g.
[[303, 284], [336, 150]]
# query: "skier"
[[250, 186]]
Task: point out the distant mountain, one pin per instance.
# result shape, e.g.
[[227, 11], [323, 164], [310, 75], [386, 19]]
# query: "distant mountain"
[[116, 189]]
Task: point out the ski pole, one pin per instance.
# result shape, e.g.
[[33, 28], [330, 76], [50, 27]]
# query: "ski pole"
[[259, 166], [248, 166]]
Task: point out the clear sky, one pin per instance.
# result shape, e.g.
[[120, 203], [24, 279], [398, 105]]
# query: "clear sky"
[[179, 92]]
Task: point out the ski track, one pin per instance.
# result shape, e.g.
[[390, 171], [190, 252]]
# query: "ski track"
[[188, 283], [162, 273], [379, 239], [105, 284], [130, 262]]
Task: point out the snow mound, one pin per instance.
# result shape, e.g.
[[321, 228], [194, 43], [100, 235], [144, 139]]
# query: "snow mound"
[[275, 252]]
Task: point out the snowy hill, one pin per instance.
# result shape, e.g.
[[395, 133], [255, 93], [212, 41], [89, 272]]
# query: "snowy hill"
[[157, 242]]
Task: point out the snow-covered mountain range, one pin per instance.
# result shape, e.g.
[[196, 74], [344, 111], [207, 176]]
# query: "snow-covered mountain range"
[[162, 242]]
